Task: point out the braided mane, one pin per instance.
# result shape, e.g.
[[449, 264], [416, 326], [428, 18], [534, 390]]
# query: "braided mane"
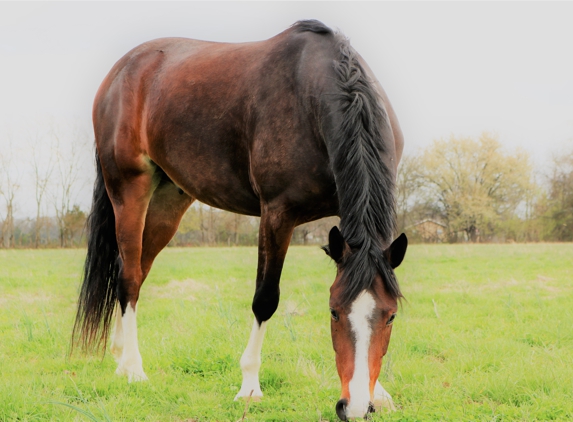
[[364, 183]]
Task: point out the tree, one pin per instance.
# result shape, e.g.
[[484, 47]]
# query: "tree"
[[474, 183], [74, 222], [43, 167], [560, 198], [9, 185], [314, 232], [407, 186], [204, 225], [69, 167]]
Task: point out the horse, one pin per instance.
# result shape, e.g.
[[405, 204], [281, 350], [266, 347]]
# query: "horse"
[[291, 129]]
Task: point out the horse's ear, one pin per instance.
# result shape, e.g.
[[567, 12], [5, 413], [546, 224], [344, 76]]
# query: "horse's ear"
[[397, 250], [336, 244]]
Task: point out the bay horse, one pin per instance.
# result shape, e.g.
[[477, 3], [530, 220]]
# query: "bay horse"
[[291, 129]]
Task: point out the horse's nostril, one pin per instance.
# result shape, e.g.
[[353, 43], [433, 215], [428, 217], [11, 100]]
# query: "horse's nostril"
[[341, 409]]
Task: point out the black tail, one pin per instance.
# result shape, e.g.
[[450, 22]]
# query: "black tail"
[[98, 293]]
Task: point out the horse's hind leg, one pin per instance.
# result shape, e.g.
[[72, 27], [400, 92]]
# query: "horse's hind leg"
[[274, 236], [166, 208], [130, 198]]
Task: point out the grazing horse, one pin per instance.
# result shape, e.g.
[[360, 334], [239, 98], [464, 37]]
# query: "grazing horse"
[[291, 129]]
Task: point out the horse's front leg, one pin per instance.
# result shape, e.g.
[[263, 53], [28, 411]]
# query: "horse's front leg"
[[275, 232]]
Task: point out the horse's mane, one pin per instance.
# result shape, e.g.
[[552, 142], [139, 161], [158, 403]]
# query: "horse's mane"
[[365, 185], [311, 25]]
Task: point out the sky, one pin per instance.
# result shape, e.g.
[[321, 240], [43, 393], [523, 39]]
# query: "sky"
[[449, 68]]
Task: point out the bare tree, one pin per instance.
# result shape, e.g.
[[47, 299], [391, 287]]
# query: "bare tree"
[[208, 221], [213, 222], [237, 218], [43, 167], [315, 231], [69, 164], [9, 185]]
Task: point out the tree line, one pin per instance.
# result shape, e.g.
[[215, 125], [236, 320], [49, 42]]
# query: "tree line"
[[203, 225], [471, 190], [459, 189], [42, 174]]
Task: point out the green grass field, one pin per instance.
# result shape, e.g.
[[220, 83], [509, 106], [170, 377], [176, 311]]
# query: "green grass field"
[[486, 334]]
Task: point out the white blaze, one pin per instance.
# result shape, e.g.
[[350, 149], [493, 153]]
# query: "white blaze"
[[359, 386]]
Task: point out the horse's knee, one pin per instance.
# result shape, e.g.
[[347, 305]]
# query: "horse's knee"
[[265, 303]]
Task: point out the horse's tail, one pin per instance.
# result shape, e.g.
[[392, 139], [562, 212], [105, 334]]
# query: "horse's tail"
[[98, 293]]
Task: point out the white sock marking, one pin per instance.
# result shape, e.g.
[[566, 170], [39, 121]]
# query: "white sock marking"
[[130, 363], [359, 386], [116, 347], [251, 363]]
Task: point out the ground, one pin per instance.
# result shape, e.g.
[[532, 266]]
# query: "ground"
[[485, 334]]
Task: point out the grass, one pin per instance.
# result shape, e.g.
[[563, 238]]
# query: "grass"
[[486, 334]]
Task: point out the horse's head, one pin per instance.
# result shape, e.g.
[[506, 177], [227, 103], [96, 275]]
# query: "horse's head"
[[361, 327]]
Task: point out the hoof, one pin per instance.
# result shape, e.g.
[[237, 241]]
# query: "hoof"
[[384, 403], [382, 400], [255, 396], [134, 374]]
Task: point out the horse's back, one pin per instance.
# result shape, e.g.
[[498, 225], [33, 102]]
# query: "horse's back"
[[231, 124]]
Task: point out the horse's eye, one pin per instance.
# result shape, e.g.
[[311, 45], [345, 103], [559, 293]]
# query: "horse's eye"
[[391, 320], [334, 314]]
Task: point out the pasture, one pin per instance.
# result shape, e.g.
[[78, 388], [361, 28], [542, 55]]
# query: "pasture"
[[486, 334]]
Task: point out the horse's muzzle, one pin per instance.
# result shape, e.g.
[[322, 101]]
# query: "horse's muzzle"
[[341, 409]]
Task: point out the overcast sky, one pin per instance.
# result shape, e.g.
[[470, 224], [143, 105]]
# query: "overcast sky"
[[448, 68]]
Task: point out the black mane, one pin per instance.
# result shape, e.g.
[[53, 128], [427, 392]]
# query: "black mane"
[[365, 185]]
